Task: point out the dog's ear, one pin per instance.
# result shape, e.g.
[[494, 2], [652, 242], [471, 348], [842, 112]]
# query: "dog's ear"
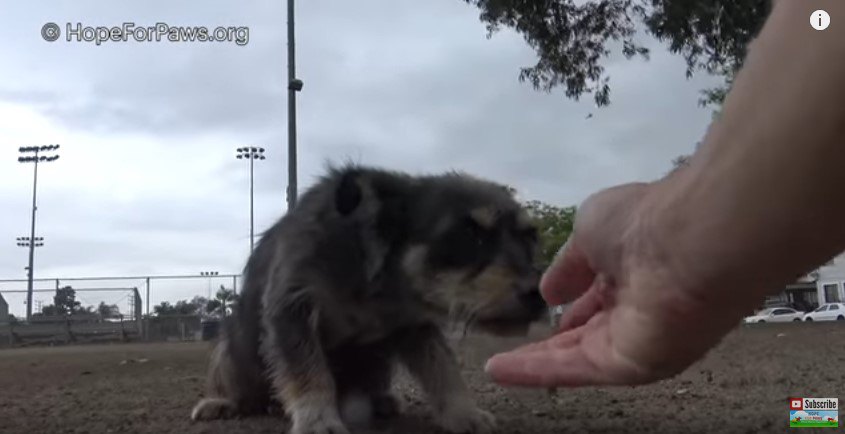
[[372, 201]]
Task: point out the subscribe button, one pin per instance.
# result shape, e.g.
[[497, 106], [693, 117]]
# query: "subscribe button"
[[814, 412]]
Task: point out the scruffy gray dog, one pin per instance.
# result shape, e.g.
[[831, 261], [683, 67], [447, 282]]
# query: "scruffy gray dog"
[[363, 273]]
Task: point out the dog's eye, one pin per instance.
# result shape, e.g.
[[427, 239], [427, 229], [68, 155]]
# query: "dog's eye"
[[465, 243]]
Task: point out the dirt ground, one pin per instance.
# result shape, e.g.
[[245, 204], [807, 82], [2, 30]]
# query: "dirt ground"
[[742, 387]]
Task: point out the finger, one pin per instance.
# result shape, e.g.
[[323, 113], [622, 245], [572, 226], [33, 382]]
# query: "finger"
[[558, 341], [584, 308], [568, 277], [568, 367]]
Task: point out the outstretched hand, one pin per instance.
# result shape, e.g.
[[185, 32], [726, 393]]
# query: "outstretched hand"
[[634, 319]]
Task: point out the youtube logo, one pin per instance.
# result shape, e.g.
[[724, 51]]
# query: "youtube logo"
[[796, 403]]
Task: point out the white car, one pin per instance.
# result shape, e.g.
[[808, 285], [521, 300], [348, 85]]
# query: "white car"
[[774, 314], [827, 312]]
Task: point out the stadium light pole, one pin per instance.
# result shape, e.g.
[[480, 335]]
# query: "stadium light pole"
[[294, 86], [251, 154], [209, 274], [34, 154], [26, 242]]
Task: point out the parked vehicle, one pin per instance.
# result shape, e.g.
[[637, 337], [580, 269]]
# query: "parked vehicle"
[[775, 314], [827, 312]]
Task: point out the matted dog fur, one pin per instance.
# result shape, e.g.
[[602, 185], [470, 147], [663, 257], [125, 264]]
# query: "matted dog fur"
[[361, 275]]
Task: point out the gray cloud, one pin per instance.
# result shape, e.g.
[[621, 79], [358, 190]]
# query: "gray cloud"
[[148, 181]]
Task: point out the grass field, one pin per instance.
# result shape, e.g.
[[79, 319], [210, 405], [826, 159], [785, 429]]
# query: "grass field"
[[813, 425], [741, 387]]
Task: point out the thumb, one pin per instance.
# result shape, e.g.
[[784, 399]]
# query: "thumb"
[[569, 276]]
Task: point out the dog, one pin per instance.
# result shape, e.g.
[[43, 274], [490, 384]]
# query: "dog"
[[363, 274]]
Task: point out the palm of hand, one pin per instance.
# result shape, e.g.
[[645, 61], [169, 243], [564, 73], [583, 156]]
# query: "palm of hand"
[[629, 324]]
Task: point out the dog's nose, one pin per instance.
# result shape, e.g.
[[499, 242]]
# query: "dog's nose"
[[532, 300]]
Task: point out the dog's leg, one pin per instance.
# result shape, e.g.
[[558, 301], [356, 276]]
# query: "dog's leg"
[[236, 385], [363, 376], [298, 367], [219, 405], [429, 359], [385, 405]]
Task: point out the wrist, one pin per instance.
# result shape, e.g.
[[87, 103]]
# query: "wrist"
[[690, 231]]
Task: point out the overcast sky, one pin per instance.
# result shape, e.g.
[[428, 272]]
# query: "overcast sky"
[[148, 183]]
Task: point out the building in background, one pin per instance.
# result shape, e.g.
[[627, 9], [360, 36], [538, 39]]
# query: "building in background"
[[4, 310], [830, 279], [825, 284]]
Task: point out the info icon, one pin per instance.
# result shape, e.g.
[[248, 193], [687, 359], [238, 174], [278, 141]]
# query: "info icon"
[[820, 19]]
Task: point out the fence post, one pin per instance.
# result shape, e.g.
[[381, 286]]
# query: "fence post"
[[70, 336], [148, 296], [235, 284], [147, 320], [138, 314]]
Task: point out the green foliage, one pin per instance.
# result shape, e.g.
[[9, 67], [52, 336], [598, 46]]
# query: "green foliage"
[[182, 307], [554, 226], [108, 310], [572, 39], [222, 302], [49, 310], [716, 96], [65, 301]]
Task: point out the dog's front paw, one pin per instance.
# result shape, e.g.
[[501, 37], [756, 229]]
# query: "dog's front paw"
[[323, 421], [467, 420], [214, 408]]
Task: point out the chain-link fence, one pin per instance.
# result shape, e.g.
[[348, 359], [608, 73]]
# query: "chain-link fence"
[[147, 308]]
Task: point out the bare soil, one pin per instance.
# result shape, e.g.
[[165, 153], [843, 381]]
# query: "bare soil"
[[742, 387]]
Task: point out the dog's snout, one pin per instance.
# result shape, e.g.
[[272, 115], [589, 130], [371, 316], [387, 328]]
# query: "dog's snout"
[[532, 300]]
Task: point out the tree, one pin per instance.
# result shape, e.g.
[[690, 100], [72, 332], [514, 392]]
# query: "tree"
[[164, 308], [182, 307], [554, 225], [65, 301], [222, 302], [198, 304], [572, 40], [108, 310]]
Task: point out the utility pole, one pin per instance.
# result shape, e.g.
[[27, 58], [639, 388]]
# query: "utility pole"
[[294, 86], [251, 154], [33, 154]]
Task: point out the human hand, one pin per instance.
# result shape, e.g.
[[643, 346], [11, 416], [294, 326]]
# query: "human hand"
[[638, 315]]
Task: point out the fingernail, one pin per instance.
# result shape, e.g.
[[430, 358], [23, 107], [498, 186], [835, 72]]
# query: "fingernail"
[[488, 367]]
